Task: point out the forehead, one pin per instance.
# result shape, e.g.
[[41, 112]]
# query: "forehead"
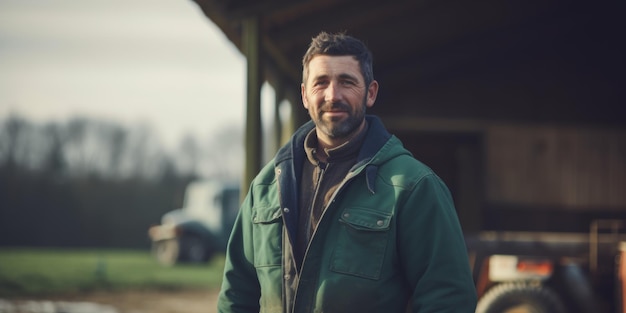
[[331, 66]]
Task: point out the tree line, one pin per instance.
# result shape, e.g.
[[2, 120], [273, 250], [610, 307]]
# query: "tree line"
[[95, 183]]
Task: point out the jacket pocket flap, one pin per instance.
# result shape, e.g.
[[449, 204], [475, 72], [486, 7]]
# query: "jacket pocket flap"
[[366, 219], [266, 215]]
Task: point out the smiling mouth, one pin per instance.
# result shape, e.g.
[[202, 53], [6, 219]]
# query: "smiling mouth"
[[335, 113]]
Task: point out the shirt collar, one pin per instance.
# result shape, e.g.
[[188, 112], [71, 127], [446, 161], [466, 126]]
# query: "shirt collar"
[[348, 149]]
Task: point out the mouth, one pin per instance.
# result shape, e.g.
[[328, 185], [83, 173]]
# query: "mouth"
[[335, 113], [335, 110]]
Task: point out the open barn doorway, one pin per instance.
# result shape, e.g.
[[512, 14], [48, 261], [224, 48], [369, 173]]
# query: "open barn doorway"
[[458, 159]]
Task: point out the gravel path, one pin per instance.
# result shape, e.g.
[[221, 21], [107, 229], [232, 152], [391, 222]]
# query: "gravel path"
[[117, 302]]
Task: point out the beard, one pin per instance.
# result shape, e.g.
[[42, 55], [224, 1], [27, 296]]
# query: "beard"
[[339, 127]]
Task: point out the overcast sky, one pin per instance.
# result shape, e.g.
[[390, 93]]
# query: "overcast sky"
[[160, 62]]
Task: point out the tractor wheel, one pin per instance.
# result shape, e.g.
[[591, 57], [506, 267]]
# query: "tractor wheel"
[[194, 249], [520, 297]]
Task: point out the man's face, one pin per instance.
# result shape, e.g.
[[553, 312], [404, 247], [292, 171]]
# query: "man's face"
[[336, 96]]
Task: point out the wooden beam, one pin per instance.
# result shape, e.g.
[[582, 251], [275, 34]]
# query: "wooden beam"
[[254, 80]]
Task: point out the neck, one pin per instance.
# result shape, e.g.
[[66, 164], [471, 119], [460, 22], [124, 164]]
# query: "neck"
[[326, 143]]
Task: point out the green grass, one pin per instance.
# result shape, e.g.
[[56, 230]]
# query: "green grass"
[[32, 272]]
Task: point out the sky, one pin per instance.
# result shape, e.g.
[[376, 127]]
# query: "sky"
[[160, 63]]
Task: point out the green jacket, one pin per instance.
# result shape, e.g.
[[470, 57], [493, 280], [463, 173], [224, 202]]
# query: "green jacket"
[[389, 241]]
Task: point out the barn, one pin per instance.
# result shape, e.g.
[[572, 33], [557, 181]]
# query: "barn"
[[520, 106]]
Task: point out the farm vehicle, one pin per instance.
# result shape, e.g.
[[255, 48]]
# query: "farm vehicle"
[[198, 230], [535, 272]]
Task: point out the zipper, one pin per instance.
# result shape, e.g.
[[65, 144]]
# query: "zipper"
[[351, 174], [320, 176], [348, 177]]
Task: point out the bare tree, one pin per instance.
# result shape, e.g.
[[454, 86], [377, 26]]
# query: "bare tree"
[[188, 156], [84, 147], [224, 154]]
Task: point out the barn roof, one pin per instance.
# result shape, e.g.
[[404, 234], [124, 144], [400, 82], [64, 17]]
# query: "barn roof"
[[445, 66], [537, 60]]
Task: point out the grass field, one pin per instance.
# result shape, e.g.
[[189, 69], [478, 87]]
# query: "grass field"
[[31, 272]]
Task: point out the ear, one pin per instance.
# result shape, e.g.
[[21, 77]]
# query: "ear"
[[372, 92], [303, 95]]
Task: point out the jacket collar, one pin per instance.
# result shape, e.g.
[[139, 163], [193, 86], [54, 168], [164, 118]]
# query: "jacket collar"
[[290, 158], [377, 136]]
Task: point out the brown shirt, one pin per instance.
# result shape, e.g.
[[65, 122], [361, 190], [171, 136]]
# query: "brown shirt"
[[319, 182]]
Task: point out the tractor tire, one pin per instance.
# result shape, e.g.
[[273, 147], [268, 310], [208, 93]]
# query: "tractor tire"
[[193, 250], [520, 297]]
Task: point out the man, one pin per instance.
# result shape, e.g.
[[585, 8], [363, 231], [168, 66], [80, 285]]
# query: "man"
[[344, 219]]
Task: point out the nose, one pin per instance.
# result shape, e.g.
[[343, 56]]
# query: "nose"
[[332, 93]]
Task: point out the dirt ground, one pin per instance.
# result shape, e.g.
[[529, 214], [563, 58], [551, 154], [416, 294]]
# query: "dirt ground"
[[149, 301]]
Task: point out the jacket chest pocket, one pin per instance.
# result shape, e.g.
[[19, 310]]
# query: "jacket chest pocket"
[[267, 233], [362, 242]]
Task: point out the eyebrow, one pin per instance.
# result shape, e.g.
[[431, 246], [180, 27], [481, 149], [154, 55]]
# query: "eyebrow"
[[342, 76], [348, 76]]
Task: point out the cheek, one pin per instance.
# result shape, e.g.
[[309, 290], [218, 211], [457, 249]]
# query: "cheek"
[[314, 98], [309, 101], [356, 94]]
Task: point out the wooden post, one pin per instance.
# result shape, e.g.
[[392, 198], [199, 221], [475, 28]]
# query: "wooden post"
[[279, 90], [253, 132], [290, 124]]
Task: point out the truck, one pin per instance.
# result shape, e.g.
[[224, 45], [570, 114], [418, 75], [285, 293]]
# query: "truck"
[[549, 272], [199, 229]]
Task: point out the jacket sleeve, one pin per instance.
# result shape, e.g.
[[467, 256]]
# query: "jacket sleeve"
[[240, 290], [432, 250]]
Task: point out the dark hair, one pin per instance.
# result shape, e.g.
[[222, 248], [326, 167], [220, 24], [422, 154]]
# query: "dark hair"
[[339, 44]]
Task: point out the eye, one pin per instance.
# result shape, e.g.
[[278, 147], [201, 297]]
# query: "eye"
[[320, 83]]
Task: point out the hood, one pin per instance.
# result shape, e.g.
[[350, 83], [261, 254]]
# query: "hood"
[[379, 146]]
